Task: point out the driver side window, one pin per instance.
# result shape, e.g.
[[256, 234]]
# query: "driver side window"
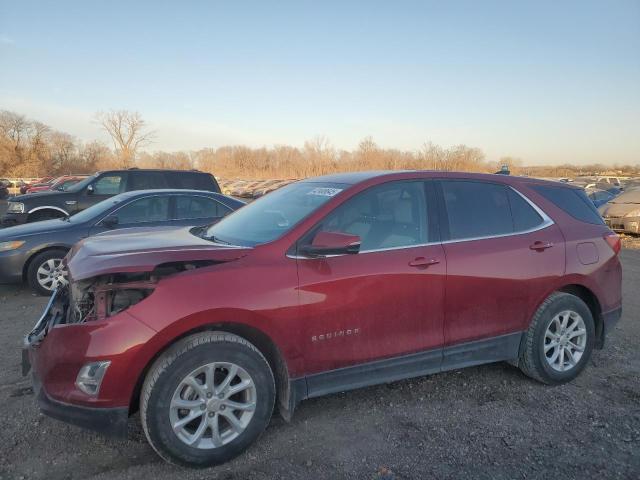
[[391, 215]]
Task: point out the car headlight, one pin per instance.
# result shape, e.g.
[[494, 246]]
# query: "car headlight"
[[6, 246], [633, 213], [15, 207]]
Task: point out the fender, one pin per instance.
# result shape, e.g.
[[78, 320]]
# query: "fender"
[[48, 207]]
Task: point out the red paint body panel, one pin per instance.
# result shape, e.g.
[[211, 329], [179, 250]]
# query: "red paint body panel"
[[398, 300], [494, 285], [391, 307]]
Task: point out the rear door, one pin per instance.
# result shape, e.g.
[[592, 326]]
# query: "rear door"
[[385, 301], [502, 251], [146, 180]]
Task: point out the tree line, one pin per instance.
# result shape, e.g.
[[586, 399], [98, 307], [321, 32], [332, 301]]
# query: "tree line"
[[29, 148]]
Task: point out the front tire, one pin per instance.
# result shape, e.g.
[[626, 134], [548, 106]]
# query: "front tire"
[[206, 399], [559, 341], [46, 272]]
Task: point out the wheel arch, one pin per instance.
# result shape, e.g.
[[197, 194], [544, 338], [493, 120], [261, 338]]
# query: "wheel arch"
[[48, 207], [285, 394], [589, 297]]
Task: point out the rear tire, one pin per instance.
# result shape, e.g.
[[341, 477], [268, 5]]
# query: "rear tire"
[[559, 341], [177, 389], [44, 274]]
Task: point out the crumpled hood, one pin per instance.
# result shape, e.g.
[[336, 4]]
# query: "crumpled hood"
[[142, 249]]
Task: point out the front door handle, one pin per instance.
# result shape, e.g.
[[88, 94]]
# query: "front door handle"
[[540, 246], [423, 262]]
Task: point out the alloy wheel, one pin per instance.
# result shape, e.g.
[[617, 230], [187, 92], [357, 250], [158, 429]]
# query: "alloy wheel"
[[213, 405], [52, 274], [565, 341]]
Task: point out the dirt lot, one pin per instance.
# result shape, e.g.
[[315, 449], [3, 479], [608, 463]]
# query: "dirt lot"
[[485, 422]]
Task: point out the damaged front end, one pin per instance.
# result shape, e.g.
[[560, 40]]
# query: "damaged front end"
[[103, 296]]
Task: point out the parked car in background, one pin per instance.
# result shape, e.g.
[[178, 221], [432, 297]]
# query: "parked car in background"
[[244, 190], [60, 184], [47, 205], [622, 213], [4, 189], [325, 285], [610, 180], [33, 252], [598, 196], [232, 185], [42, 181], [270, 187]]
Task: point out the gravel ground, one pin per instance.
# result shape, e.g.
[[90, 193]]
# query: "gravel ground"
[[486, 422]]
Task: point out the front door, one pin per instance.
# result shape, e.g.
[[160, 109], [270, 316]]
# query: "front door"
[[105, 186], [385, 301]]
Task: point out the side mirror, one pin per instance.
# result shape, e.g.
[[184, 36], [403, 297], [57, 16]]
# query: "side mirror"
[[90, 190], [110, 222], [331, 243]]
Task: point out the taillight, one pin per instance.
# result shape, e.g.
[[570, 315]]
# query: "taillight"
[[614, 241]]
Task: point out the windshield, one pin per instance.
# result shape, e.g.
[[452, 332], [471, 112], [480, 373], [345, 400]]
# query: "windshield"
[[96, 210], [273, 215], [81, 184]]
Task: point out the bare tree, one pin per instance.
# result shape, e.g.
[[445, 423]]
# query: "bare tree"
[[128, 131]]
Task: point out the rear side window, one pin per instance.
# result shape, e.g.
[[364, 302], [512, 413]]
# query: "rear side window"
[[147, 180], [192, 181], [573, 201], [476, 209], [199, 207]]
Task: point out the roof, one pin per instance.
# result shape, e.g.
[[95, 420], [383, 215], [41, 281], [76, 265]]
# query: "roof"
[[352, 178], [168, 191]]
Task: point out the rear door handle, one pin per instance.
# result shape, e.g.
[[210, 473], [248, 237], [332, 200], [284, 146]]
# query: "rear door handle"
[[540, 246], [423, 262]]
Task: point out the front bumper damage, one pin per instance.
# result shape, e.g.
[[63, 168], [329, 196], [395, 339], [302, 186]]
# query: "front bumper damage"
[[109, 421]]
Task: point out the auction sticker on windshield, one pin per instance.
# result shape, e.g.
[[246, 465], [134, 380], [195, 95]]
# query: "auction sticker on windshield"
[[325, 191]]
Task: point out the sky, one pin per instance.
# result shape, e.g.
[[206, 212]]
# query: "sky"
[[544, 81]]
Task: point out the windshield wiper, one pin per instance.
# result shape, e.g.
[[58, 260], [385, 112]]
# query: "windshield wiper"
[[217, 240]]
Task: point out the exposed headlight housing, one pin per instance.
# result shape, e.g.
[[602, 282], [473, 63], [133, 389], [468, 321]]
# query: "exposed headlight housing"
[[90, 377], [15, 207], [12, 245]]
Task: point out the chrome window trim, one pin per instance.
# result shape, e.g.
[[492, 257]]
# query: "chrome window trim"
[[546, 222]]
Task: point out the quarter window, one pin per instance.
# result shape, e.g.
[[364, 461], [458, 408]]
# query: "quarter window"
[[391, 215], [573, 201], [148, 209]]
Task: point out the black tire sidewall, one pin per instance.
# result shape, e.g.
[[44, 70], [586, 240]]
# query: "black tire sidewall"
[[568, 302], [34, 265], [157, 416]]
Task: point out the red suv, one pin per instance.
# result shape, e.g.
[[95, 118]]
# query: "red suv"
[[324, 285]]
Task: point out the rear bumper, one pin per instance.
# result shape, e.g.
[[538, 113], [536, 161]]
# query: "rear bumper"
[[609, 321], [108, 421]]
